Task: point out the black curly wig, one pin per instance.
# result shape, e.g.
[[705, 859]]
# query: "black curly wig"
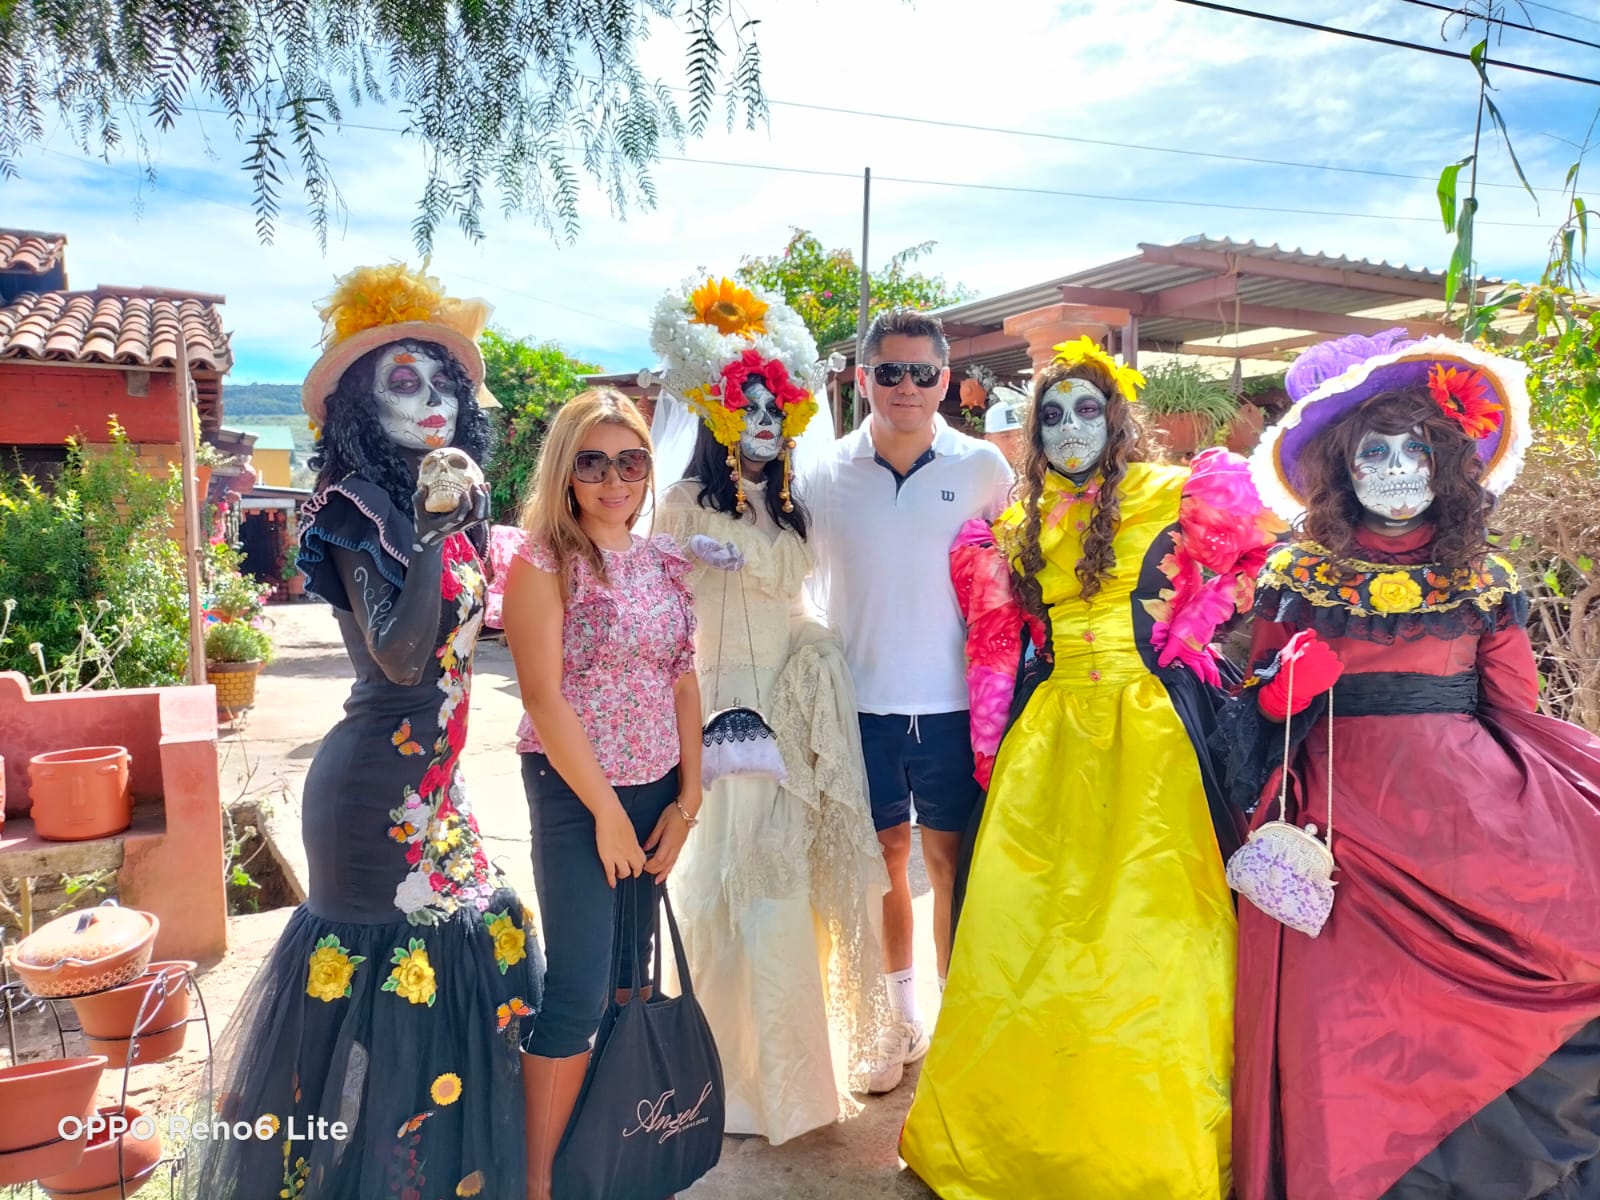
[[709, 466], [352, 442]]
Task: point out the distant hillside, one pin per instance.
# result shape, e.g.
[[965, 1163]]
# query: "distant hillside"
[[242, 400]]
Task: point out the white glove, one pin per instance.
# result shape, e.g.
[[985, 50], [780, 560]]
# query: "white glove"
[[724, 556]]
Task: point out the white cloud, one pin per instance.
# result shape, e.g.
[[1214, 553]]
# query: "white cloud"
[[1134, 71]]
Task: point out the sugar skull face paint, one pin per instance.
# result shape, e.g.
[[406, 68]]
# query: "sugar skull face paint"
[[1072, 426], [416, 407], [762, 439], [1393, 475]]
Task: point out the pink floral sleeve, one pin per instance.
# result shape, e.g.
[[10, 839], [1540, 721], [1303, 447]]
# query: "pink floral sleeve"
[[675, 565]]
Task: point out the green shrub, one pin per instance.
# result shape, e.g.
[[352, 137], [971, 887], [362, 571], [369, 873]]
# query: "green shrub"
[[236, 642]]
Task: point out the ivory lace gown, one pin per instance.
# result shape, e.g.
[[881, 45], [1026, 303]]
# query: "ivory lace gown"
[[779, 888]]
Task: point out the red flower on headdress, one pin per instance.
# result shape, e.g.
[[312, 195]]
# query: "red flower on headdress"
[[771, 372], [1462, 396]]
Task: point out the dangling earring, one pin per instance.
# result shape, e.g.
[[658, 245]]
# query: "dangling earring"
[[738, 480], [788, 460]]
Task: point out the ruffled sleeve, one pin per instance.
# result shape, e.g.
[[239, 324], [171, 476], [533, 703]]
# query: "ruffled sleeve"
[[995, 621], [506, 542], [353, 515], [1223, 537], [675, 565]]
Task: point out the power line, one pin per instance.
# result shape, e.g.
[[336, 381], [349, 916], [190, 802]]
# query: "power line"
[[1563, 12], [1063, 137], [1501, 21], [1383, 41]]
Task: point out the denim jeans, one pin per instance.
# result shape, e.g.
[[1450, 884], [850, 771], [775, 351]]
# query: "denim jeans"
[[576, 907]]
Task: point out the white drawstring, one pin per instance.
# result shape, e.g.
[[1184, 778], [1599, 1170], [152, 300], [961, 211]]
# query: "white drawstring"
[[914, 730]]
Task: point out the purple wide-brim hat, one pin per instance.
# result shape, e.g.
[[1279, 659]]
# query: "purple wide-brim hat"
[[1331, 379]]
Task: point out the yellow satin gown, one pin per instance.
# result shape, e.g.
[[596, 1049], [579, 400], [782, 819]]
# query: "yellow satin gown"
[[1084, 1050]]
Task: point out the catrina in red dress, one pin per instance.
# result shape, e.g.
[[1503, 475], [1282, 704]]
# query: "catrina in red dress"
[[1440, 1037]]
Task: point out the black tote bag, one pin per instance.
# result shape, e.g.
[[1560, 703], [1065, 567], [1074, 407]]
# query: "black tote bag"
[[649, 1119]]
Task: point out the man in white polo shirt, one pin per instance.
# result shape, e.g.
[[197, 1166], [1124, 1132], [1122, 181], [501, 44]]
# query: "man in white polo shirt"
[[887, 505]]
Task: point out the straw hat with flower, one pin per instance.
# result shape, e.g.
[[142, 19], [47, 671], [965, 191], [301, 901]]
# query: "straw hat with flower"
[[375, 306]]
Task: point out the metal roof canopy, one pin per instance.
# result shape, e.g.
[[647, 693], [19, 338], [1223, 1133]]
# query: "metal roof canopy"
[[1212, 297]]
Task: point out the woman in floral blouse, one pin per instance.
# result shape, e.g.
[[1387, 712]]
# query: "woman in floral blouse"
[[601, 627]]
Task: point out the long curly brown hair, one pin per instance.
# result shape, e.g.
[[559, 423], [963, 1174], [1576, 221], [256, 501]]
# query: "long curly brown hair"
[[1461, 505], [1124, 445]]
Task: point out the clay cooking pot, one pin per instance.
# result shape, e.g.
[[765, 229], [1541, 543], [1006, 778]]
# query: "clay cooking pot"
[[34, 1099], [110, 1020], [88, 951], [80, 794], [100, 1174]]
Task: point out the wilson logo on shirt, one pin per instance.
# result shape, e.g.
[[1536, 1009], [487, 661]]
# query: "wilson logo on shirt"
[[947, 496]]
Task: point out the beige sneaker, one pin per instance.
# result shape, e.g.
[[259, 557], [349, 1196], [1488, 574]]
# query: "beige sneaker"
[[902, 1043]]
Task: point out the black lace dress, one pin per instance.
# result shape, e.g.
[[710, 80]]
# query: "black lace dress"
[[376, 1053]]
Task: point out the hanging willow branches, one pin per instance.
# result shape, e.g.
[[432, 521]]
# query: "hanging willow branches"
[[514, 101]]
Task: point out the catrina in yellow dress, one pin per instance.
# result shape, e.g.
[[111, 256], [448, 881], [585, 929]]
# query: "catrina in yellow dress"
[[1085, 1043]]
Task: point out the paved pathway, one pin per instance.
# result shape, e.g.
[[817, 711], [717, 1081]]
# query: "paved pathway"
[[300, 696]]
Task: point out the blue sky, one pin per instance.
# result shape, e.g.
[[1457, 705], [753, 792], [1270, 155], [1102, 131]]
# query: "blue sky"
[[1142, 72]]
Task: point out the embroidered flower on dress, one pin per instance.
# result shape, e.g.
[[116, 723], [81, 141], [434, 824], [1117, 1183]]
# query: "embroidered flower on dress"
[[412, 978], [510, 942], [471, 1185], [1395, 592], [330, 970], [446, 1089]]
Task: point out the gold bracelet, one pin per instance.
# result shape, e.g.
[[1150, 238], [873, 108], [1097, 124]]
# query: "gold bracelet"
[[684, 813]]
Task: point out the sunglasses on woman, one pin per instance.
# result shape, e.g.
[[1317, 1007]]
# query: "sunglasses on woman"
[[592, 466], [891, 373]]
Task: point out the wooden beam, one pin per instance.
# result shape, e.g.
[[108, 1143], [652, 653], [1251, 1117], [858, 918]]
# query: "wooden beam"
[[1200, 293], [1134, 302], [962, 349], [1261, 351], [1332, 324], [1246, 264]]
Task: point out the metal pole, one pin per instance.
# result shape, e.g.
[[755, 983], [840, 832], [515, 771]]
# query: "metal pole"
[[191, 513], [866, 287]]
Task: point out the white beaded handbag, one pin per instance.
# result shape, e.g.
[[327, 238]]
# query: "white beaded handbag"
[[737, 741], [1284, 870]]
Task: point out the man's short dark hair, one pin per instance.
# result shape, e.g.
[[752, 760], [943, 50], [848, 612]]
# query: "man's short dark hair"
[[907, 322]]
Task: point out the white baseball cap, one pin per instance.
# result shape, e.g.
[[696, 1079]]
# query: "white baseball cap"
[[1006, 410]]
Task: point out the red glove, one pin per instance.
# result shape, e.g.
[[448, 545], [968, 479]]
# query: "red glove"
[[1313, 667]]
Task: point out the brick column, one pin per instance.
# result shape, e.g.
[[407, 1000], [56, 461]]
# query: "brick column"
[[1045, 328]]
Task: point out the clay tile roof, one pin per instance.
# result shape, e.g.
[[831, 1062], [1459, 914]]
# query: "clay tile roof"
[[24, 250], [114, 325]]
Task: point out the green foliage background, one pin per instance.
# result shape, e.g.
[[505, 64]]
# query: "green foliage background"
[[95, 553], [531, 380]]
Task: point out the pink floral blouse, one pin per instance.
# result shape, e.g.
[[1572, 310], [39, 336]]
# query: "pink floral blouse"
[[624, 647]]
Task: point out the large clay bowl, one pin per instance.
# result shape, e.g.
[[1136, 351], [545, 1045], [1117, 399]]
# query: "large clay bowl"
[[36, 1097], [97, 1173], [111, 1019]]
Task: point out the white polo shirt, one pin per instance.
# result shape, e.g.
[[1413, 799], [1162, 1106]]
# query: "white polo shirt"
[[883, 557]]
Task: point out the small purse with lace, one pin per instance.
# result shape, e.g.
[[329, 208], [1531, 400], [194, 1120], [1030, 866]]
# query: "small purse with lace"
[[1284, 870], [737, 741]]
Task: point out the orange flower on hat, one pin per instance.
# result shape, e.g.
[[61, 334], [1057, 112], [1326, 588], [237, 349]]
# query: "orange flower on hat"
[[1462, 396]]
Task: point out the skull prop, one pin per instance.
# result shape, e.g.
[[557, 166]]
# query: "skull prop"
[[448, 475]]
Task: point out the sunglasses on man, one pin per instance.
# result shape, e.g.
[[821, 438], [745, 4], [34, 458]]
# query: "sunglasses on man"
[[890, 374], [592, 466]]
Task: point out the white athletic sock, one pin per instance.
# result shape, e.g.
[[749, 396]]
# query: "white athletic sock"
[[903, 993]]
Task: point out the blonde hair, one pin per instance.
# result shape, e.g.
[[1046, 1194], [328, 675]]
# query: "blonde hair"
[[550, 512]]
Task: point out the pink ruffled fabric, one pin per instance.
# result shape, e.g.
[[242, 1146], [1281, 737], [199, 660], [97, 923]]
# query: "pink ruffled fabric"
[[1224, 534], [506, 542], [995, 624]]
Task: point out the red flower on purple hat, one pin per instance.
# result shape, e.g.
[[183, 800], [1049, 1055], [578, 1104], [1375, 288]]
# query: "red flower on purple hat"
[[1462, 396]]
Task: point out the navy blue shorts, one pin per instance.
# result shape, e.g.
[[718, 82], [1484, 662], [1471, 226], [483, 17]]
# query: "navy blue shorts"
[[927, 758]]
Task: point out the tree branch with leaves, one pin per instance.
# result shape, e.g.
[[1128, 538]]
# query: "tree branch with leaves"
[[518, 100]]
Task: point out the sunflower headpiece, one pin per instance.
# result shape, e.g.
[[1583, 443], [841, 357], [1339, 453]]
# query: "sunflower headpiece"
[[1085, 350], [713, 336]]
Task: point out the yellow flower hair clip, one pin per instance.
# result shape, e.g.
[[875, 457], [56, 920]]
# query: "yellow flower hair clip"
[[1085, 350]]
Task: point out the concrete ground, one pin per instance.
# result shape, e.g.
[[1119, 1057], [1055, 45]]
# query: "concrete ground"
[[265, 758]]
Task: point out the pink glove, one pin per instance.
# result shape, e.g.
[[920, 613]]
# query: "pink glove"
[[1314, 669]]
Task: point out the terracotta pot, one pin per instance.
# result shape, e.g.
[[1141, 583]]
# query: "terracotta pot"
[[235, 684], [296, 585], [1244, 431], [34, 1099], [89, 951], [81, 794], [121, 1151], [111, 1020], [1183, 433]]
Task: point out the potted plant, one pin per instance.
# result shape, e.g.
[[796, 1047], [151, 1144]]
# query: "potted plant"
[[1187, 404], [1258, 399], [294, 579], [235, 653]]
